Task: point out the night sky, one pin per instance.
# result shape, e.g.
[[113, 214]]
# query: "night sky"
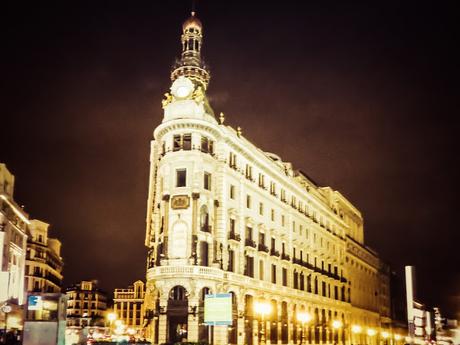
[[362, 97]]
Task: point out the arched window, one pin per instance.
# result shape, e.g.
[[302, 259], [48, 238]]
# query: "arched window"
[[204, 219], [178, 293]]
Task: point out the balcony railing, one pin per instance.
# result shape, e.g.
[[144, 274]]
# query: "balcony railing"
[[206, 228], [274, 252], [285, 256], [234, 236], [262, 248], [250, 243]]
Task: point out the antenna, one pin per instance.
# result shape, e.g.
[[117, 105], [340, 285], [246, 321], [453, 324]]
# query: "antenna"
[[193, 7]]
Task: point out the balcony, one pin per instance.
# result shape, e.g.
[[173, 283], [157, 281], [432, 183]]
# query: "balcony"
[[250, 243], [262, 248], [206, 228], [285, 256], [274, 252], [297, 261], [234, 236]]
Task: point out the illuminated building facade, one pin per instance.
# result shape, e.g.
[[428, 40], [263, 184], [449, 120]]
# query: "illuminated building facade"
[[225, 217], [86, 304], [13, 244], [128, 305], [44, 262]]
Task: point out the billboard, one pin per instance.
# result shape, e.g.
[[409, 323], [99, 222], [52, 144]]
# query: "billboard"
[[218, 309]]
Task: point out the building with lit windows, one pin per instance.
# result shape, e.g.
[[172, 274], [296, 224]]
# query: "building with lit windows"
[[128, 305], [44, 262], [13, 243], [223, 216], [86, 304]]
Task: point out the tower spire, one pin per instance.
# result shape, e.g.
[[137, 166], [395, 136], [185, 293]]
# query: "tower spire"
[[190, 64]]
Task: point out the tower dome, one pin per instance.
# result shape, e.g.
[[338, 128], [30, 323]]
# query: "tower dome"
[[192, 22], [190, 64]]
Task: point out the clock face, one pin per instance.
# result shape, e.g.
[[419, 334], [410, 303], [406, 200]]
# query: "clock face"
[[182, 87]]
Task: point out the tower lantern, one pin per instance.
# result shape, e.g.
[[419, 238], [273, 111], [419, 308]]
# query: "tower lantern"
[[190, 64]]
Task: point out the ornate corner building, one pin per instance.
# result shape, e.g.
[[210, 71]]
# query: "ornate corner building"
[[225, 217], [44, 263]]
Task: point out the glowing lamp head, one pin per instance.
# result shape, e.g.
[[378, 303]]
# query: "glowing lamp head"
[[385, 334], [111, 316], [262, 308], [356, 329], [304, 317], [371, 332], [397, 337], [336, 324]]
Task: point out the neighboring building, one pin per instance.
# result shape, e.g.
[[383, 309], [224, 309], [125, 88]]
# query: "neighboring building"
[[225, 217], [44, 262], [86, 304], [13, 242], [128, 305]]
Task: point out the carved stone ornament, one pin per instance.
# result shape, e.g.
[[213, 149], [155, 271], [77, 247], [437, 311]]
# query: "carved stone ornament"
[[180, 202]]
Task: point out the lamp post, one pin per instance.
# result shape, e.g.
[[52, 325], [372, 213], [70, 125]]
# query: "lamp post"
[[304, 318], [336, 325], [262, 308], [356, 329], [111, 317], [371, 332]]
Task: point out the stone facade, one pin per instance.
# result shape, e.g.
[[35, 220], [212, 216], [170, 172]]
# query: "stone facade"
[[44, 262], [128, 305], [225, 217]]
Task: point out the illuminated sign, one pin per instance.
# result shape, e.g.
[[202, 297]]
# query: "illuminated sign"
[[34, 302], [218, 309]]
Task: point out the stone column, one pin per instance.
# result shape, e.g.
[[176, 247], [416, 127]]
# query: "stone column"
[[290, 322], [193, 320], [163, 322], [195, 197], [166, 225], [220, 335]]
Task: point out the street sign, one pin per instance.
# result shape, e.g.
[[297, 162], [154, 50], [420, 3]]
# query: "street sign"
[[218, 309]]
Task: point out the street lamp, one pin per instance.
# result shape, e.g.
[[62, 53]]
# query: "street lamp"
[[357, 329], [111, 317], [336, 325], [262, 308], [371, 332], [304, 318]]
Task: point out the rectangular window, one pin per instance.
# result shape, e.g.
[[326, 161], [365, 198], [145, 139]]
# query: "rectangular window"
[[284, 276], [181, 177], [261, 270], [204, 145], [187, 144], [273, 273], [232, 225], [177, 144], [261, 238], [272, 188], [232, 192], [272, 215], [231, 260], [273, 244], [282, 220], [207, 181], [248, 172], [249, 267], [283, 195], [261, 180], [232, 160], [248, 233], [261, 208], [248, 201]]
